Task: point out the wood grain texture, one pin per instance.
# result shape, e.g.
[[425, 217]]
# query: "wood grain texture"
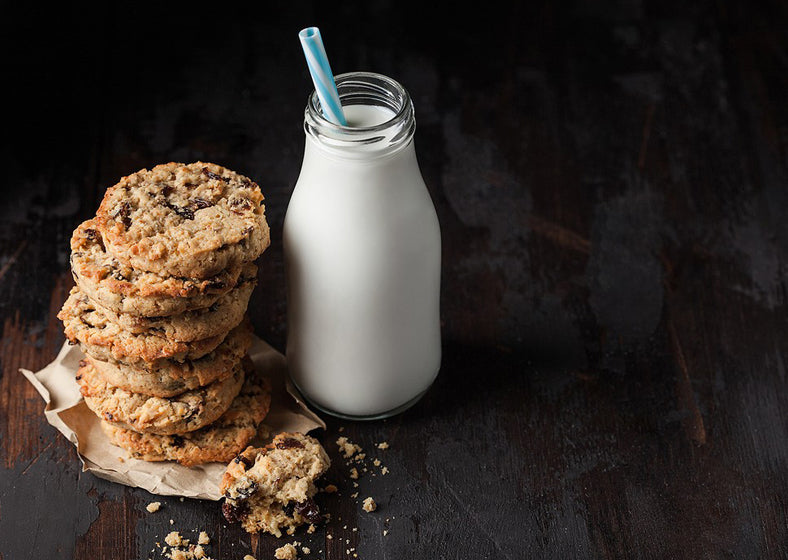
[[611, 181]]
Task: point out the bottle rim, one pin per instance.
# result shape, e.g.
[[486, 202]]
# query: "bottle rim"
[[364, 88]]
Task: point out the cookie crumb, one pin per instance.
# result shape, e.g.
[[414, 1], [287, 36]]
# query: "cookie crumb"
[[153, 507], [384, 470], [306, 549], [330, 489], [203, 538], [249, 557], [174, 539], [347, 448], [286, 552], [329, 537], [172, 522], [181, 549], [354, 473], [385, 532], [311, 529], [376, 462], [369, 504], [383, 445]]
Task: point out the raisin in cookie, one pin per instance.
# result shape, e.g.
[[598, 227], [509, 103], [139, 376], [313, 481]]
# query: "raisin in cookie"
[[190, 220], [225, 314], [167, 378], [218, 442], [186, 412], [123, 289], [272, 488], [104, 340]]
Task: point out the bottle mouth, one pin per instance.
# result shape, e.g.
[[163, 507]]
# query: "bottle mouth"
[[370, 89]]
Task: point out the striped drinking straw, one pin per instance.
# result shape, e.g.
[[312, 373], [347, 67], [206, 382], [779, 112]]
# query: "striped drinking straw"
[[326, 89]]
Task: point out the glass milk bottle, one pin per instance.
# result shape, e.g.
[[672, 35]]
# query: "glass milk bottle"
[[362, 249]]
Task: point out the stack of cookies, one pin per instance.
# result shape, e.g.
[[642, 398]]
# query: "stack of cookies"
[[163, 277]]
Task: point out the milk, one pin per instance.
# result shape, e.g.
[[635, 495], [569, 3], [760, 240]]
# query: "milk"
[[362, 248], [360, 116]]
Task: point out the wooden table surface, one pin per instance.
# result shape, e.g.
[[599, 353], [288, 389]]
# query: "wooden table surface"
[[612, 183]]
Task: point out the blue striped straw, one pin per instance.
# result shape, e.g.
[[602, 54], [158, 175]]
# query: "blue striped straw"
[[326, 89]]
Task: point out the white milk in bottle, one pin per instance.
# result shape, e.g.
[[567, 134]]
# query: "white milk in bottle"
[[362, 248]]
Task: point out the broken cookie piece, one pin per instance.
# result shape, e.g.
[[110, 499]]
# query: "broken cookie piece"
[[272, 488]]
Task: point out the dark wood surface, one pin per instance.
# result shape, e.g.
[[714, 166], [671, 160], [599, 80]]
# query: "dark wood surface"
[[612, 184]]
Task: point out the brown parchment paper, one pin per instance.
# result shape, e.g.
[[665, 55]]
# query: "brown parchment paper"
[[66, 411]]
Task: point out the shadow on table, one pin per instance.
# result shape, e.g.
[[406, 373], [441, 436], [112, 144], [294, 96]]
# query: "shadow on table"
[[473, 377]]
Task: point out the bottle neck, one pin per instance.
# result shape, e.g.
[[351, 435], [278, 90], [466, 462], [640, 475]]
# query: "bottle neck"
[[370, 98]]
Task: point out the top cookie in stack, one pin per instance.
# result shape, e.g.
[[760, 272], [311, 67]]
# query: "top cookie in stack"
[[163, 278], [192, 221]]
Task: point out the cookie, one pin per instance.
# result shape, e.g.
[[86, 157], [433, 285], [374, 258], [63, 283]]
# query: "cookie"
[[186, 412], [225, 314], [190, 220], [218, 442], [104, 340], [122, 289], [272, 488], [167, 378]]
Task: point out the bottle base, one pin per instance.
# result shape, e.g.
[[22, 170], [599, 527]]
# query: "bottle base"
[[380, 416]]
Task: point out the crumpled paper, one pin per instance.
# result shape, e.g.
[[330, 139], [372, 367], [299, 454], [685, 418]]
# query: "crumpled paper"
[[66, 411]]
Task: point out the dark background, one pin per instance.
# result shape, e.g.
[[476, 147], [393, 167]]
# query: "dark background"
[[611, 180]]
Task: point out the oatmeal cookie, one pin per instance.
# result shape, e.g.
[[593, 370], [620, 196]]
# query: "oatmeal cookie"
[[186, 412], [272, 488], [190, 220], [167, 378], [104, 340], [218, 442], [122, 289], [225, 314]]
